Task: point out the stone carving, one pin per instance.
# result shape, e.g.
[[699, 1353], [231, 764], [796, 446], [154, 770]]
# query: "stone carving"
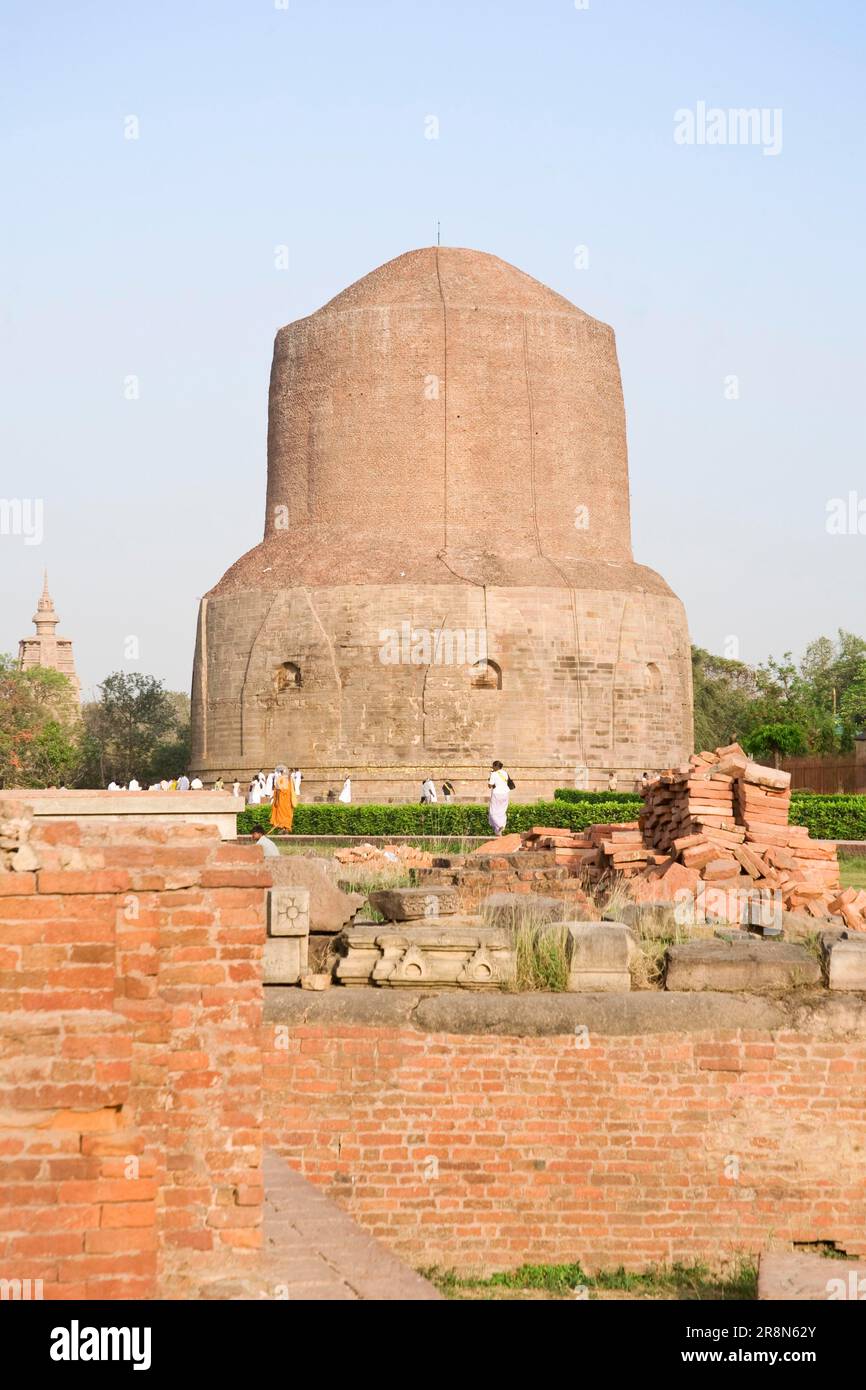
[[446, 953], [410, 904], [289, 911], [286, 953]]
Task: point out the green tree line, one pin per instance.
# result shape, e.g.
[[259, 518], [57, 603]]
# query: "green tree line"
[[135, 728]]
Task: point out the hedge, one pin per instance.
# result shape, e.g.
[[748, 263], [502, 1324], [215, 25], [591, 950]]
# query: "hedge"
[[828, 817], [573, 795], [312, 818]]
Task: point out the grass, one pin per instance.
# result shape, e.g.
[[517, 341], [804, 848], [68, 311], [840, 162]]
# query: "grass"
[[676, 1281], [852, 868], [540, 955]]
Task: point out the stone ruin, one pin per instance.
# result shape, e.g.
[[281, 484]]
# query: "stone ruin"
[[761, 901]]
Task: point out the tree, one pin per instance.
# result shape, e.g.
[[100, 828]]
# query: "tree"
[[37, 727], [777, 741], [723, 691], [125, 727], [852, 707]]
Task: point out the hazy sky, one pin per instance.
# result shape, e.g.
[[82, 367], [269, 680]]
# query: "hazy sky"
[[306, 126]]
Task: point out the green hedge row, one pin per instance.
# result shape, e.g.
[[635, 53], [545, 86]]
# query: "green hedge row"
[[327, 819], [828, 817], [573, 795]]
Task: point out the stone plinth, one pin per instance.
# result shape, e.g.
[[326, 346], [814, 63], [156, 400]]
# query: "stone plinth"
[[192, 808], [599, 956]]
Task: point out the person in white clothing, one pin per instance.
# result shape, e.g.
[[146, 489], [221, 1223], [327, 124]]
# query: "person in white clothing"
[[499, 783], [267, 846], [163, 786], [183, 783], [134, 784], [113, 786], [428, 792], [196, 785], [346, 794], [254, 795], [297, 778], [269, 786]]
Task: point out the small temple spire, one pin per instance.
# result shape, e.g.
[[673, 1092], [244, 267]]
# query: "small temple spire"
[[46, 648], [45, 617]]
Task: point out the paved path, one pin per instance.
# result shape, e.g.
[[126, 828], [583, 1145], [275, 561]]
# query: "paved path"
[[314, 1250]]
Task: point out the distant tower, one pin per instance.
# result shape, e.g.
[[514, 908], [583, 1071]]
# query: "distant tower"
[[46, 648]]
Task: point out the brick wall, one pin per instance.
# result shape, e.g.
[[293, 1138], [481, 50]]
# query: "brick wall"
[[130, 1074], [479, 1151]]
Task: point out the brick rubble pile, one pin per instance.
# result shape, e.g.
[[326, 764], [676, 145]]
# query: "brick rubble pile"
[[722, 822], [385, 856]]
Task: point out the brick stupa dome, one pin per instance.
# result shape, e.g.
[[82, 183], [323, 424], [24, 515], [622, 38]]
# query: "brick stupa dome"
[[447, 448]]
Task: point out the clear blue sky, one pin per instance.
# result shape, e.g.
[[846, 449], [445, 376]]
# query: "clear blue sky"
[[305, 126]]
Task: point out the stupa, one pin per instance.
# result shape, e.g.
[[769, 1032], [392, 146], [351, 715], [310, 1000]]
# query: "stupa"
[[446, 574]]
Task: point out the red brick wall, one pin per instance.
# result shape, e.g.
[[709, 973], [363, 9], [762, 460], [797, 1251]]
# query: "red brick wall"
[[130, 1075], [635, 1150]]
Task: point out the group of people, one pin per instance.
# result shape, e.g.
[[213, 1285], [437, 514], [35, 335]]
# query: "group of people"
[[262, 786], [177, 784], [281, 789], [428, 792], [499, 784]]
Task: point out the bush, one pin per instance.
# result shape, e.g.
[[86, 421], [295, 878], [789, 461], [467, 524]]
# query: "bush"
[[830, 817], [434, 821], [573, 795]]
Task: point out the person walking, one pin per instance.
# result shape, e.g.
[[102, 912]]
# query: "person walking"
[[428, 792], [501, 786], [254, 794], [346, 794], [448, 792], [297, 778], [283, 808]]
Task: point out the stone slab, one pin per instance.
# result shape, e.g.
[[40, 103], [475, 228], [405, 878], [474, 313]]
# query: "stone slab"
[[806, 1277], [284, 959], [410, 904], [599, 956], [511, 909], [846, 961], [753, 967]]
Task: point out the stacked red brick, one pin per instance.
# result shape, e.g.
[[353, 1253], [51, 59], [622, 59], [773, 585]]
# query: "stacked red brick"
[[723, 822]]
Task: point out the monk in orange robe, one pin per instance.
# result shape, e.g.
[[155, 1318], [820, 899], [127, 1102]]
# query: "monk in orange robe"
[[284, 802]]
